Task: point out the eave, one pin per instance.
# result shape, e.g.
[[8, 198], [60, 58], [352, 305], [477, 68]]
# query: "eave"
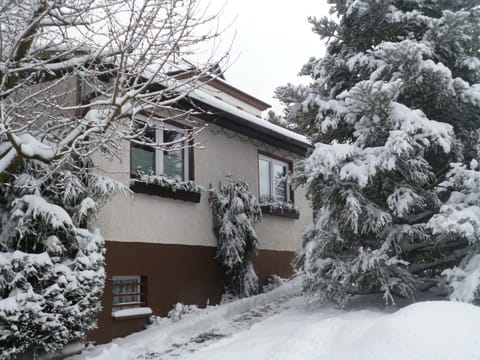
[[236, 123]]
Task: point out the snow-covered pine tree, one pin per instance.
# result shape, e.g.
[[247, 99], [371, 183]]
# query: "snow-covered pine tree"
[[235, 211], [394, 110], [51, 263]]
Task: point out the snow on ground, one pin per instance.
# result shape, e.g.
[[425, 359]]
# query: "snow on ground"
[[168, 339], [424, 331], [281, 325]]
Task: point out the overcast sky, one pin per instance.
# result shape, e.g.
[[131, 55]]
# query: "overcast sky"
[[273, 40]]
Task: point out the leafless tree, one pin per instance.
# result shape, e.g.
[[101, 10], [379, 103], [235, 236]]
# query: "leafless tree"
[[74, 73]]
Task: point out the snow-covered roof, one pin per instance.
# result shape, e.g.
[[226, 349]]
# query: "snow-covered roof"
[[243, 110], [211, 81], [221, 83], [234, 109], [203, 96]]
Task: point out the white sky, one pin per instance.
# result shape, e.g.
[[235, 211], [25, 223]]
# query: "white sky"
[[273, 41]]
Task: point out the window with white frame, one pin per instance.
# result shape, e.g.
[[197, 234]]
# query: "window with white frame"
[[272, 179], [171, 159], [128, 291]]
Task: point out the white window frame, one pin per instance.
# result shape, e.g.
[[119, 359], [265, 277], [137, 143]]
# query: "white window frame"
[[159, 152], [272, 162]]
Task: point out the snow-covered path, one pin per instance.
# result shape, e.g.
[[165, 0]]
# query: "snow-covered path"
[[281, 325], [174, 340], [238, 324]]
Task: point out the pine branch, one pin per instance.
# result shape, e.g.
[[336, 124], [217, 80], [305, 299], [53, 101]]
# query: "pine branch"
[[416, 218], [443, 263], [431, 245], [440, 177]]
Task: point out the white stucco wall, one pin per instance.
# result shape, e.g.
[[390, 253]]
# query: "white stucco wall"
[[154, 219]]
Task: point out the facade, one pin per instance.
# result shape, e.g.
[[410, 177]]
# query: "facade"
[[160, 243]]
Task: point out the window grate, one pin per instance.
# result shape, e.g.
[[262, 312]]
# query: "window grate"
[[128, 292]]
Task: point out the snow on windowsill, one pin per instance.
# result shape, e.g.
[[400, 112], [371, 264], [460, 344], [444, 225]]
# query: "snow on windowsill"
[[280, 208], [170, 183], [134, 312], [279, 205]]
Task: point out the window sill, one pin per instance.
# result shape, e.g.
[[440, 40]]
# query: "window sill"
[[133, 313], [163, 191], [286, 213]]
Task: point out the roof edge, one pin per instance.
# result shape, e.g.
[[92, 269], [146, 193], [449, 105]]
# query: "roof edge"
[[220, 84], [230, 121]]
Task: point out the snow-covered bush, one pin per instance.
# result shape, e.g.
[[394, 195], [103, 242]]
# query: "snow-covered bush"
[[180, 310], [273, 282], [235, 211], [51, 263], [394, 111]]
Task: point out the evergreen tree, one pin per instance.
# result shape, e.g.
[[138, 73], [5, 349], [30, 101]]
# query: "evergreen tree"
[[235, 210], [394, 110], [51, 263]]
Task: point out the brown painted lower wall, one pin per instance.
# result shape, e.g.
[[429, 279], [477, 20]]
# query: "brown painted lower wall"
[[174, 273], [269, 262]]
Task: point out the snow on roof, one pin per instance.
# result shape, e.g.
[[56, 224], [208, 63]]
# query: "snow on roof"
[[208, 99], [216, 81], [184, 76]]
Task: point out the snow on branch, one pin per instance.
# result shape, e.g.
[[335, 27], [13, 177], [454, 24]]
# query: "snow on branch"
[[235, 211], [37, 207], [74, 74], [393, 107]]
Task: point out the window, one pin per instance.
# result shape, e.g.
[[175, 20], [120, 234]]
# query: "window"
[[128, 292], [272, 179], [171, 160]]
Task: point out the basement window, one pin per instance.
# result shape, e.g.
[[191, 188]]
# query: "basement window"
[[128, 292]]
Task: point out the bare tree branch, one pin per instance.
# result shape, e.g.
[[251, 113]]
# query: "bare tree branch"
[[75, 73]]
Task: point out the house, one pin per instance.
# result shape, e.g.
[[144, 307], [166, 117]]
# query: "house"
[[160, 243]]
